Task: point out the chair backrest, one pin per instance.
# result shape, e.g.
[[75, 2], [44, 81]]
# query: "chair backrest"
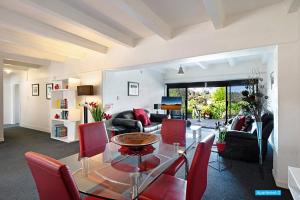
[[173, 131], [52, 178], [92, 139], [197, 177]]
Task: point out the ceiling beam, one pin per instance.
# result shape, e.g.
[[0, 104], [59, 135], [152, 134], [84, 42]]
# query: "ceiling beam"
[[57, 9], [25, 51], [215, 10], [22, 23], [201, 65], [141, 12], [37, 43], [10, 62], [25, 59], [294, 6]]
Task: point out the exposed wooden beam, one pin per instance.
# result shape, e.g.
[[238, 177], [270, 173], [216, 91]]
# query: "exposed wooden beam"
[[38, 43], [141, 12], [25, 59], [25, 51], [59, 11], [21, 23], [215, 10], [294, 6], [201, 65]]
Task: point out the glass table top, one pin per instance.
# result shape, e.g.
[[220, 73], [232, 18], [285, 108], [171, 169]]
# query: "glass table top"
[[122, 173]]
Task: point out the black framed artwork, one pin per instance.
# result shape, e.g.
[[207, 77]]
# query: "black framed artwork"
[[49, 88], [35, 89], [133, 89]]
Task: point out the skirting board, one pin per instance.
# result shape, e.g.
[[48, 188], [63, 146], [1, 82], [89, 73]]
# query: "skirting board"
[[280, 183], [43, 129]]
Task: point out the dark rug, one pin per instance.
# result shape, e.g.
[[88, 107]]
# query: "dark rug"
[[16, 182]]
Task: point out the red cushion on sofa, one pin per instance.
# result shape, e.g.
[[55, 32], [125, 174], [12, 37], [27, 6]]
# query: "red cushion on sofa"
[[142, 116], [240, 123]]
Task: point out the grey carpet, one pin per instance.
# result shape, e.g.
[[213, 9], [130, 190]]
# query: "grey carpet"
[[16, 183]]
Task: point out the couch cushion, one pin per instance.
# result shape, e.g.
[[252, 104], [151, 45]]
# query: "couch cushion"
[[142, 116], [128, 114], [240, 123], [153, 127]]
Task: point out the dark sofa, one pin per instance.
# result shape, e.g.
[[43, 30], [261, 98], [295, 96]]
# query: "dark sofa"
[[127, 120], [241, 145]]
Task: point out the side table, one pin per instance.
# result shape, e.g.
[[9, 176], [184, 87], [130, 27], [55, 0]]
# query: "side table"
[[220, 164]]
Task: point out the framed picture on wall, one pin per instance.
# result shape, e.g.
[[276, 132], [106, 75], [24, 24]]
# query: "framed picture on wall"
[[133, 89], [35, 89], [49, 88]]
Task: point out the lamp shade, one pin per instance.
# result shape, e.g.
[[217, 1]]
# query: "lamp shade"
[[85, 90], [156, 106]]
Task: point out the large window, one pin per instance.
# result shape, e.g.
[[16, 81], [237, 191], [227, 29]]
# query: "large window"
[[212, 100]]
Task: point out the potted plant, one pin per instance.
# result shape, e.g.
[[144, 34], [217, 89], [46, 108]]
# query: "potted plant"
[[221, 139], [98, 113]]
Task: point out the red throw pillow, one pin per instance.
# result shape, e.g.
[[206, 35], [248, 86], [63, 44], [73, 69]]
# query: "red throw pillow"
[[241, 122], [142, 116]]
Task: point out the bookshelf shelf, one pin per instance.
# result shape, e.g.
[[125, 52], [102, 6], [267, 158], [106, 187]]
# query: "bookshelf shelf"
[[64, 106]]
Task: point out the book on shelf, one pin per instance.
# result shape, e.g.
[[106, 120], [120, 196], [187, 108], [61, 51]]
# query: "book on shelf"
[[60, 130], [62, 103]]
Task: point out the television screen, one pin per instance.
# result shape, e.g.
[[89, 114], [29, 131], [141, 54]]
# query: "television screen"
[[171, 103]]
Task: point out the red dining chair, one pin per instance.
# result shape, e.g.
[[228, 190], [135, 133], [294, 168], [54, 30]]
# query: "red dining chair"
[[92, 139], [173, 131], [168, 187], [52, 178]]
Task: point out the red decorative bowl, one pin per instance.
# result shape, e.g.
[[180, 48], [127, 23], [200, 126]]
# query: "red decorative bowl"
[[135, 140]]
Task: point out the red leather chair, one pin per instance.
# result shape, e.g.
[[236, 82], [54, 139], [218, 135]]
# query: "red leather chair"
[[92, 139], [173, 131], [169, 187], [52, 178]]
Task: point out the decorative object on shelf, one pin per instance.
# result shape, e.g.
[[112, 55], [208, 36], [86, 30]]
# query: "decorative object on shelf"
[[98, 113], [256, 102], [221, 139], [133, 89], [49, 88], [35, 89], [56, 116], [56, 87], [64, 114], [135, 141], [62, 103]]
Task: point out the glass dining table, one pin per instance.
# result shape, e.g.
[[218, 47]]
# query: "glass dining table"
[[119, 173]]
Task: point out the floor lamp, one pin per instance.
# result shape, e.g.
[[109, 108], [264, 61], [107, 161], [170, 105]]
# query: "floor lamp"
[[85, 90]]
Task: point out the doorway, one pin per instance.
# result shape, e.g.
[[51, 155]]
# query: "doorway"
[[16, 104]]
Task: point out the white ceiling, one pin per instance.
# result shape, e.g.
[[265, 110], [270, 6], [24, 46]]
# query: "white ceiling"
[[40, 31]]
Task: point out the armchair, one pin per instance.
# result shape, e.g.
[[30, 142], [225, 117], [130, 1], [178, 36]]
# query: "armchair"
[[241, 145]]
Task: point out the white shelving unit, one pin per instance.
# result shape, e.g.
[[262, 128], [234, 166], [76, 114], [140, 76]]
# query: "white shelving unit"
[[66, 93]]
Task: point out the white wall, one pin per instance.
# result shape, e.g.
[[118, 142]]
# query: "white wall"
[[7, 99], [268, 26], [1, 102], [216, 72], [151, 89]]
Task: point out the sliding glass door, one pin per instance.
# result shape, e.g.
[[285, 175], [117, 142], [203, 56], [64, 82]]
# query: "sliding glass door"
[[178, 92], [208, 103]]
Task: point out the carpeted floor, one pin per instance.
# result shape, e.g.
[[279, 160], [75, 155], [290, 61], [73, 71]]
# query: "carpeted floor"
[[16, 183]]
